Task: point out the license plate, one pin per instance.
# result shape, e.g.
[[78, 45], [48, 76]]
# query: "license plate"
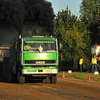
[[31, 70], [48, 70], [40, 62]]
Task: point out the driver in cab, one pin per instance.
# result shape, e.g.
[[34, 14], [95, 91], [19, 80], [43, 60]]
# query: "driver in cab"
[[48, 47], [27, 47]]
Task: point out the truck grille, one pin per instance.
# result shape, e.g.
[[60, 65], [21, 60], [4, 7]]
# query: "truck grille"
[[39, 61]]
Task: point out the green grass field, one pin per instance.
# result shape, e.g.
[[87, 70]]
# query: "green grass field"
[[80, 75]]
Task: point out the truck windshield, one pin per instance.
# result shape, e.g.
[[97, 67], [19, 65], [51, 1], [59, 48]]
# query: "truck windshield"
[[35, 45]]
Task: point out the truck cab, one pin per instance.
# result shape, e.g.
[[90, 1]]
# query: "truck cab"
[[34, 57]]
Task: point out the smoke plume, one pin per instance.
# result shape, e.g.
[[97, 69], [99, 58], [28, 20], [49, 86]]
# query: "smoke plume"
[[16, 15]]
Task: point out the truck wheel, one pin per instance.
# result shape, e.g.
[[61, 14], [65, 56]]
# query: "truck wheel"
[[21, 79], [46, 80], [53, 79]]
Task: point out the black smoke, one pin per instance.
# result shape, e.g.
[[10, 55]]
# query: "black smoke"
[[17, 13]]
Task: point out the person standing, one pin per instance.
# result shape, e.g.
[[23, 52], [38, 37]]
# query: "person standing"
[[81, 64], [94, 63]]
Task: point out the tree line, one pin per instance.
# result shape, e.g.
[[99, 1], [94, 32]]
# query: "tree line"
[[78, 34]]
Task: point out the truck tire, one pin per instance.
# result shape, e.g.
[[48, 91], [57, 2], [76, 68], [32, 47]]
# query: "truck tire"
[[21, 79], [53, 79], [46, 80]]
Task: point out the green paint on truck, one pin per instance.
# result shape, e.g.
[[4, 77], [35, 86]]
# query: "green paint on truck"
[[39, 62]]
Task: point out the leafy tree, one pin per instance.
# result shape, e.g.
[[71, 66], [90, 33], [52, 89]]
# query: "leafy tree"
[[75, 43], [90, 11], [70, 32]]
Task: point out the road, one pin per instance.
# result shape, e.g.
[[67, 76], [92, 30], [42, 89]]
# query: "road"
[[65, 89]]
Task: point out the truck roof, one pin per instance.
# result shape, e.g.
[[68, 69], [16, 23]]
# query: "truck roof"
[[38, 37]]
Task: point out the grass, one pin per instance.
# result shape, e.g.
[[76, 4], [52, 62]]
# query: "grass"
[[80, 75]]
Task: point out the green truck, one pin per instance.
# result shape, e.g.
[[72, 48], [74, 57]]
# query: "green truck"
[[34, 57]]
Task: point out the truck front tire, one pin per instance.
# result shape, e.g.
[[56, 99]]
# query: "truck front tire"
[[53, 79], [46, 80], [21, 79]]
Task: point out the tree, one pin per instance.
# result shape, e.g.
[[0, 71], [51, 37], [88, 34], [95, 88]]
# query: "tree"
[[74, 42], [90, 10], [70, 32]]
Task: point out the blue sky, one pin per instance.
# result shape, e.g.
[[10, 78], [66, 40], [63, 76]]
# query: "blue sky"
[[73, 5]]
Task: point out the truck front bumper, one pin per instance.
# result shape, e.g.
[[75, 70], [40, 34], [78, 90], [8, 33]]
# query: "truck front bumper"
[[39, 71]]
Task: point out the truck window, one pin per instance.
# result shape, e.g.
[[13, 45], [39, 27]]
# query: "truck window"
[[34, 45]]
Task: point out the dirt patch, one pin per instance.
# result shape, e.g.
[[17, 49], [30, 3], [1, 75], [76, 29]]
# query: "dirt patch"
[[65, 89]]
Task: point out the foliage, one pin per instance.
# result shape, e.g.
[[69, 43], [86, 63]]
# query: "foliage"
[[90, 11], [78, 35], [70, 32]]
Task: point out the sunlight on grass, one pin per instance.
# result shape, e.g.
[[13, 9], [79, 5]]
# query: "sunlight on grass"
[[80, 75]]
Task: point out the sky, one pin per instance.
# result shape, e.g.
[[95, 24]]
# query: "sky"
[[73, 5]]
